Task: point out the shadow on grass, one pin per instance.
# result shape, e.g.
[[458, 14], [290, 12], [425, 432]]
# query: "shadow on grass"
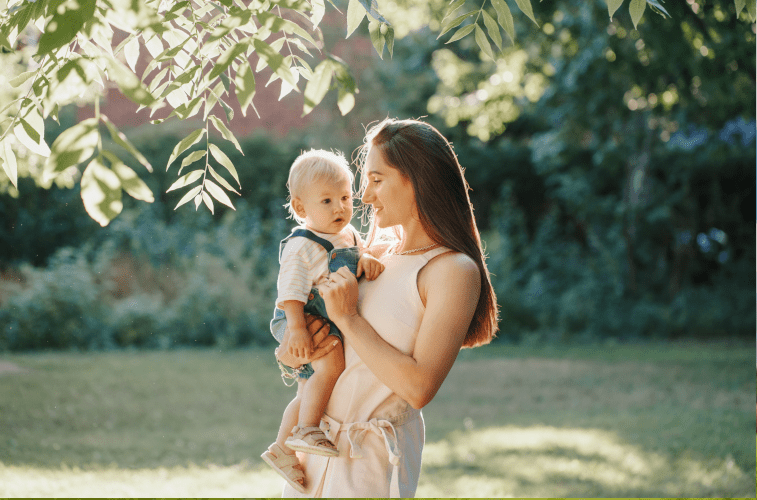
[[508, 461], [559, 462]]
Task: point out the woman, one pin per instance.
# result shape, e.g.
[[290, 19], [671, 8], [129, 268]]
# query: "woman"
[[402, 331]]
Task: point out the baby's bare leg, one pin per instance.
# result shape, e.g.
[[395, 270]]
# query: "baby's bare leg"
[[316, 395], [291, 415]]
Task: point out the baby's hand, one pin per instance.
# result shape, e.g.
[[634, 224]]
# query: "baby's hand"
[[370, 266], [300, 343]]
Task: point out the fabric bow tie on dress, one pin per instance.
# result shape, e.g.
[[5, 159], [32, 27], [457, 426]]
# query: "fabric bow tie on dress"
[[357, 431]]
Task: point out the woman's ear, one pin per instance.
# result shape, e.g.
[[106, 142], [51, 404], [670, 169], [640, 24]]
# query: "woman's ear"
[[298, 207]]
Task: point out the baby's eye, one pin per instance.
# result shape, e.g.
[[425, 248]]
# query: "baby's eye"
[[345, 198], [326, 201]]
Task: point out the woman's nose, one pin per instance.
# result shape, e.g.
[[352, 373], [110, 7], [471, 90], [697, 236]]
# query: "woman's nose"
[[367, 196]]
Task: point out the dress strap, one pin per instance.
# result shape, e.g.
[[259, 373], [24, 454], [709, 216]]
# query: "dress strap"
[[436, 251]]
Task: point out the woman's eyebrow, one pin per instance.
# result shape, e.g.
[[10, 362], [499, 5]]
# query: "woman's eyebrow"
[[374, 172]]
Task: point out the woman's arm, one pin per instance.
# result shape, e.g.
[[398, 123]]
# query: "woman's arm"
[[450, 285]]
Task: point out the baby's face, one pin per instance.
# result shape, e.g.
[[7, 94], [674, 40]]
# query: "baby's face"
[[328, 206]]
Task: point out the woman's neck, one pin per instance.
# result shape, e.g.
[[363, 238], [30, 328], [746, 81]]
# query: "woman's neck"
[[413, 236]]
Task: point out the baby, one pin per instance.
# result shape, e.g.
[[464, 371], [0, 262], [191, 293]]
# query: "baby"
[[320, 189]]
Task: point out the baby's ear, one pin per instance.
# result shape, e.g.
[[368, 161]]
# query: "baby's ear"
[[298, 207]]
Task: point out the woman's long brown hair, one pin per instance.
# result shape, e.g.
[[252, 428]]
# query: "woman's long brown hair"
[[423, 156]]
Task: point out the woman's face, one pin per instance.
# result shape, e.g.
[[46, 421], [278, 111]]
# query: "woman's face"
[[390, 194]]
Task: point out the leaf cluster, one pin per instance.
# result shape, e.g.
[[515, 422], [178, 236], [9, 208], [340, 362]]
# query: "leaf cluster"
[[200, 55]]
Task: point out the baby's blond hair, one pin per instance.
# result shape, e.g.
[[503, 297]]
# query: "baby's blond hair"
[[313, 166]]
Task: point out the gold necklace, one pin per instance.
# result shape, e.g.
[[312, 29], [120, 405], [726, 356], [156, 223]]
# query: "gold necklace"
[[416, 249]]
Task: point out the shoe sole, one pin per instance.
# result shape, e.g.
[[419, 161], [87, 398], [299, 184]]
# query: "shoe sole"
[[294, 484], [313, 450]]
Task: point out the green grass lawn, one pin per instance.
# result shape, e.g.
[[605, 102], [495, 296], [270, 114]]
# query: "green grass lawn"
[[671, 420]]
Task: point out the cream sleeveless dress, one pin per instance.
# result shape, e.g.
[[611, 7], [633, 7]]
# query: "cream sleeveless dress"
[[379, 435]]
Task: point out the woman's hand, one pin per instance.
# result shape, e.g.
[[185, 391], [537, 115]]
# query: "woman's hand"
[[340, 294], [322, 343]]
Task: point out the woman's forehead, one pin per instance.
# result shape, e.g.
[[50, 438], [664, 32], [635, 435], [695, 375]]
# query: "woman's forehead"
[[375, 164]]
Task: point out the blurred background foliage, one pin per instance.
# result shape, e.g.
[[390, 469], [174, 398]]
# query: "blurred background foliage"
[[611, 171]]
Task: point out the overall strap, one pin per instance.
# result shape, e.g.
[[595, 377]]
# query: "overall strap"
[[305, 233]]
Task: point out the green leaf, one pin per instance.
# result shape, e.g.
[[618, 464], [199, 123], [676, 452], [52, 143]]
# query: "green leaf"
[[637, 10], [740, 4], [185, 144], [9, 162], [244, 82], [275, 61], [224, 160], [355, 14], [120, 139], [156, 81], [131, 86], [101, 192], [462, 32], [131, 52], [318, 86], [226, 82], [226, 59], [208, 202], [131, 183], [225, 132], [453, 7], [505, 18], [218, 193], [276, 45], [318, 11], [20, 79], [186, 179], [171, 52], [390, 40], [525, 6], [612, 6], [483, 43], [73, 146], [227, 109], [750, 7], [493, 29], [276, 24], [452, 23], [372, 7], [377, 39], [67, 20], [190, 109], [346, 101], [221, 180], [30, 131], [191, 158], [190, 194]]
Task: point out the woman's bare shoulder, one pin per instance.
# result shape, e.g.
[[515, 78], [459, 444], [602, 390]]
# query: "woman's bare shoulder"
[[449, 271], [454, 262]]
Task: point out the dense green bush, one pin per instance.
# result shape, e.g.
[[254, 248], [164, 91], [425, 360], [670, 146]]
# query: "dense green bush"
[[149, 284], [551, 287]]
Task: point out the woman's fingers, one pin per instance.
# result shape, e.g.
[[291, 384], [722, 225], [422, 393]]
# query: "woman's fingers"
[[315, 324], [343, 272], [324, 347]]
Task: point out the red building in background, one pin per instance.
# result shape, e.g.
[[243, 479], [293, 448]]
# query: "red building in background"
[[276, 117]]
